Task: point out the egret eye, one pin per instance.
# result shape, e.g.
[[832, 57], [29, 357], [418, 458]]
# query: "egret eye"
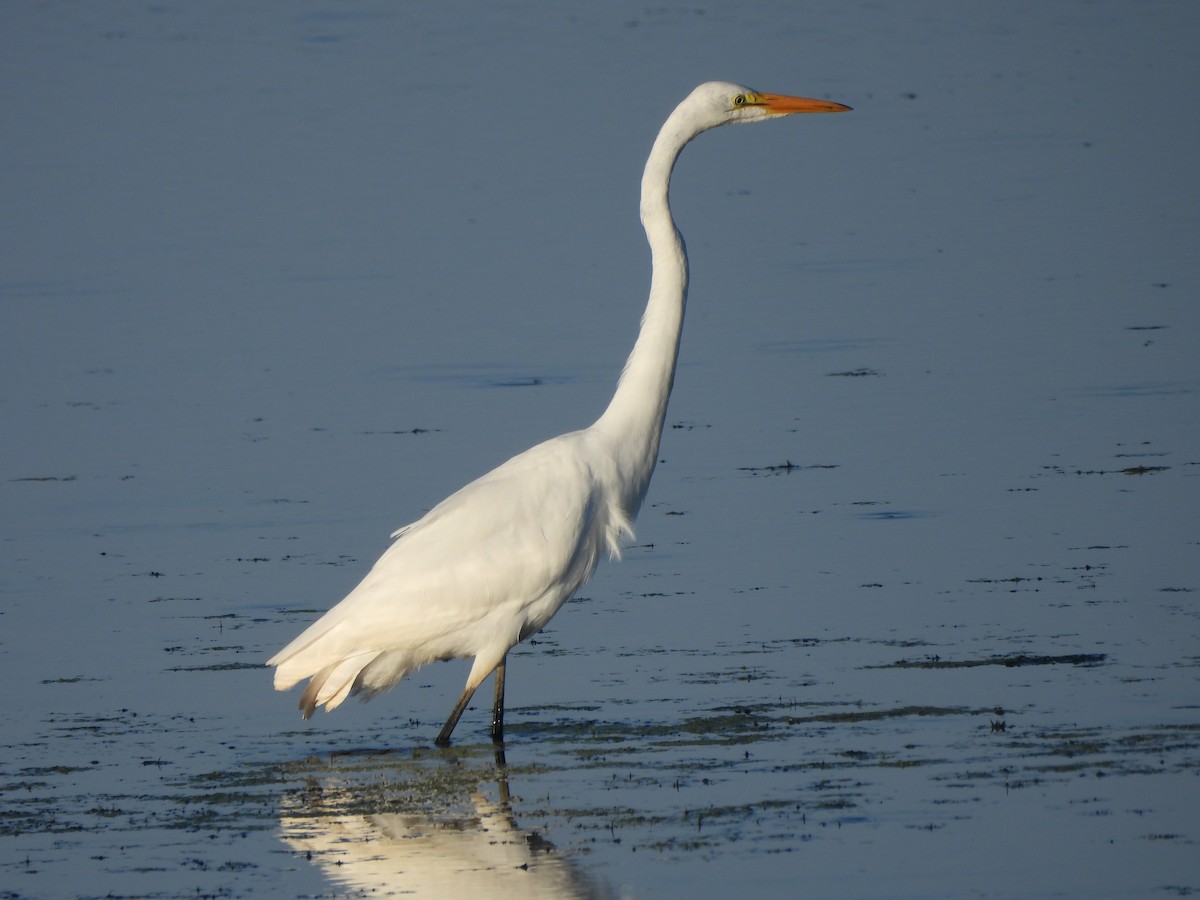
[[739, 99]]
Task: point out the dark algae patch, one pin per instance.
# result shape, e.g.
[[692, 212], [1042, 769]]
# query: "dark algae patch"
[[1011, 661]]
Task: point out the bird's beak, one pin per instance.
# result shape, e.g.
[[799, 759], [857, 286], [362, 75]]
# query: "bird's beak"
[[783, 105]]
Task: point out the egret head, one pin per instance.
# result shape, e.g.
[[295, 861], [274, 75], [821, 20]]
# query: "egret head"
[[720, 103]]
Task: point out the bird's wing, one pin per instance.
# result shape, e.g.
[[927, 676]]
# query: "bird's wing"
[[507, 549]]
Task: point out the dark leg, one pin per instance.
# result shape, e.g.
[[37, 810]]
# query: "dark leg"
[[498, 704], [443, 738], [502, 785]]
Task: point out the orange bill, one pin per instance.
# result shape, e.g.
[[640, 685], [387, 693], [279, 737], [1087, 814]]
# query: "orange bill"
[[783, 105]]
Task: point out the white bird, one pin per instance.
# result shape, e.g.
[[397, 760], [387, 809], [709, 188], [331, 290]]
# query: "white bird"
[[492, 563]]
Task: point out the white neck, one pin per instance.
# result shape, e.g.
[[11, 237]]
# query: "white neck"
[[634, 419]]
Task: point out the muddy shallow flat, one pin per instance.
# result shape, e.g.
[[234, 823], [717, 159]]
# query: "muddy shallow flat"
[[759, 765], [913, 609], [931, 796]]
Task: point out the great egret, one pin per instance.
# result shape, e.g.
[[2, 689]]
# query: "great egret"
[[491, 564]]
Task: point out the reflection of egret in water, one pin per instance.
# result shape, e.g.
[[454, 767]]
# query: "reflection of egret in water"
[[476, 850]]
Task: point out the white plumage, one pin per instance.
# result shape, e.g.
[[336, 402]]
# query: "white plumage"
[[491, 564], [484, 569]]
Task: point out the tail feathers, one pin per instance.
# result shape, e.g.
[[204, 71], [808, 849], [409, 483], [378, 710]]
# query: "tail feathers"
[[335, 682]]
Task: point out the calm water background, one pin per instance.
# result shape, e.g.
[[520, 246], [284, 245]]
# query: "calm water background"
[[278, 277]]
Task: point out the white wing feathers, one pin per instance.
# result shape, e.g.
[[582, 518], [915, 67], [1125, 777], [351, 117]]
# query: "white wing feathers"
[[482, 570]]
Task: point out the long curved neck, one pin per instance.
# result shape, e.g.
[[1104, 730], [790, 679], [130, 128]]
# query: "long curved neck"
[[634, 419]]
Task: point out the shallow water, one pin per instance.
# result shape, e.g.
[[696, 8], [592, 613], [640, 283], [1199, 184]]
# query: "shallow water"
[[912, 610]]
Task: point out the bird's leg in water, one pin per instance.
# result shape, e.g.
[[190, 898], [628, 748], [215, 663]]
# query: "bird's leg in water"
[[498, 705], [443, 738]]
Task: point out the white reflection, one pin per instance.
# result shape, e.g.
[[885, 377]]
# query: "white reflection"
[[484, 854]]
